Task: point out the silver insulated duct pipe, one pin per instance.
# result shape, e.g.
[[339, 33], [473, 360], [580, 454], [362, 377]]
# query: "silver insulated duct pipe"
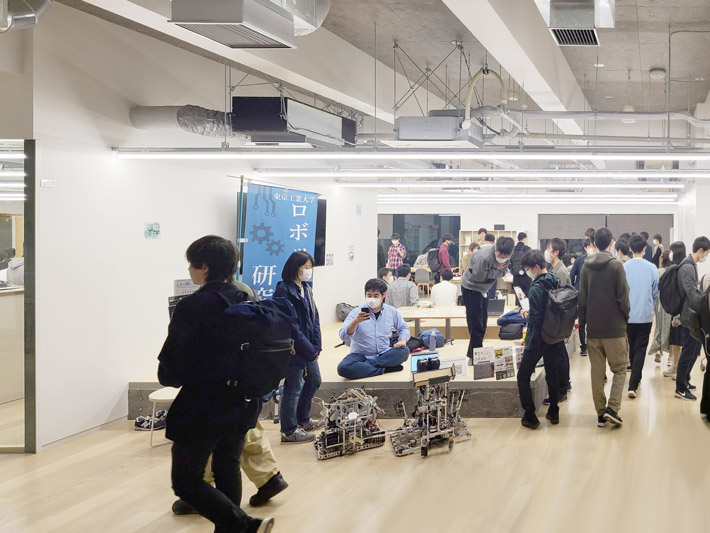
[[189, 118], [21, 14]]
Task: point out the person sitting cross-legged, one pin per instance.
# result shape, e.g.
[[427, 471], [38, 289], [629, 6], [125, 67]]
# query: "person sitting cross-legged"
[[370, 333]]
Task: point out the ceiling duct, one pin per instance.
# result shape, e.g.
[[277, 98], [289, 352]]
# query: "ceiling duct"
[[250, 23], [21, 14], [575, 22]]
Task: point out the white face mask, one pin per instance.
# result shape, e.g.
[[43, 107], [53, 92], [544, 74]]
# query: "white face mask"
[[670, 256], [306, 274], [530, 274], [395, 243], [501, 259], [702, 258], [655, 242], [590, 250], [374, 303], [390, 279], [548, 256]]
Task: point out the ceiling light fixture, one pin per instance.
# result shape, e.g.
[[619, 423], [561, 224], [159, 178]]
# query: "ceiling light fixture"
[[507, 185], [11, 184], [11, 156], [657, 74], [12, 174], [394, 154]]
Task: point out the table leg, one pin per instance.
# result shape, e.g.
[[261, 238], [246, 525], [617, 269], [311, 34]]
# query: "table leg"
[[417, 327], [448, 328]]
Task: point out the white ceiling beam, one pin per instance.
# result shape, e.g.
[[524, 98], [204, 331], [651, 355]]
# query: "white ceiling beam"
[[323, 64]]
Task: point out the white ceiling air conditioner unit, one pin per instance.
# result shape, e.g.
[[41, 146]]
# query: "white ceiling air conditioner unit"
[[434, 132], [237, 23], [575, 22]]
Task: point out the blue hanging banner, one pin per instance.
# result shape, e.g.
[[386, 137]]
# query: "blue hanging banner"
[[278, 222]]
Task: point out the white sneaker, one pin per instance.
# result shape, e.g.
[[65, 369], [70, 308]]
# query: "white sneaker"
[[633, 393], [669, 373]]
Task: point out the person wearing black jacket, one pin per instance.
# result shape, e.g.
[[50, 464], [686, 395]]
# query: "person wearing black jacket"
[[303, 374], [533, 263], [520, 279], [688, 282], [208, 417]]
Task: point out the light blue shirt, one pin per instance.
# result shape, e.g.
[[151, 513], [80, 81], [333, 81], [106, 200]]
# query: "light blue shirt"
[[642, 278], [372, 337]]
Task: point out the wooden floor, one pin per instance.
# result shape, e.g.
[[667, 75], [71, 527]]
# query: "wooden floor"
[[12, 423], [651, 475]]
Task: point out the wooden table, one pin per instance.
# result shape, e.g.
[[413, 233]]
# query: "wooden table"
[[445, 313]]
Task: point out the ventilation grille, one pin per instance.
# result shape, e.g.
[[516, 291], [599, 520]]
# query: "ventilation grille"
[[575, 37], [236, 35]]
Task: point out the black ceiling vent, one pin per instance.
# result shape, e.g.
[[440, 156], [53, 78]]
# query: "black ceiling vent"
[[575, 37]]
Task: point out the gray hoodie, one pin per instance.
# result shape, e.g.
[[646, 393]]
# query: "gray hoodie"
[[16, 271], [482, 271]]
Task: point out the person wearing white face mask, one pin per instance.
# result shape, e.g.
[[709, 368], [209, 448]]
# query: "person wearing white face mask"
[[386, 275], [396, 254], [693, 300], [657, 250], [302, 375], [377, 334], [483, 271]]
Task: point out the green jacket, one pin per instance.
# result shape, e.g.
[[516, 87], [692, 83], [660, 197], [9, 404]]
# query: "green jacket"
[[604, 297], [562, 273], [537, 296]]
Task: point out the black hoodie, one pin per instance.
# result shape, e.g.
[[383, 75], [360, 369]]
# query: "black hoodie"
[[604, 297]]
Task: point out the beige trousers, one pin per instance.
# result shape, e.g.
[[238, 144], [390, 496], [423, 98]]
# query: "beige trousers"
[[616, 353], [257, 461]]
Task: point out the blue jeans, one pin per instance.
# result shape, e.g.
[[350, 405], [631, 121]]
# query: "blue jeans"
[[298, 396], [356, 366]]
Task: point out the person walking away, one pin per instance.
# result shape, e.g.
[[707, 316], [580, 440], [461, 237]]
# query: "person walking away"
[[663, 320], [648, 251], [378, 336], [657, 250], [675, 333], [533, 263], [575, 276], [482, 273], [396, 253], [403, 292], [621, 247], [604, 306], [520, 279], [303, 377], [208, 417], [642, 278], [444, 258], [693, 299], [554, 253]]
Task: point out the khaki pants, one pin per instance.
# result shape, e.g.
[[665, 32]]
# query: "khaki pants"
[[615, 352], [257, 461]]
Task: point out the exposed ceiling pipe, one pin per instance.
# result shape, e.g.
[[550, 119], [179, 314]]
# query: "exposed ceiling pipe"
[[483, 71], [21, 14], [189, 118], [615, 138]]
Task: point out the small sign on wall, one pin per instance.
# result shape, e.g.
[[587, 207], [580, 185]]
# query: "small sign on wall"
[[329, 260], [152, 230], [183, 287]]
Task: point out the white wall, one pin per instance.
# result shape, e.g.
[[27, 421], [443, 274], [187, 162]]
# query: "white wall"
[[101, 287], [16, 85]]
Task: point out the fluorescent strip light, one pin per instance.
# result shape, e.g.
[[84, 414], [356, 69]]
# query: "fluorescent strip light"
[[481, 173], [12, 174], [370, 155], [12, 184], [8, 156], [506, 185], [549, 196], [523, 201]]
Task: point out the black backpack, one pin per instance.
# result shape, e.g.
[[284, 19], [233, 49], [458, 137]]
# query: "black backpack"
[[670, 295], [432, 259], [516, 260], [560, 314], [261, 336]]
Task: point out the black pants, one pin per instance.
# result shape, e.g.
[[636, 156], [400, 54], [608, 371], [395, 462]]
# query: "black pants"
[[476, 318], [638, 335], [220, 504], [688, 355], [550, 354], [705, 400], [562, 367], [582, 334]]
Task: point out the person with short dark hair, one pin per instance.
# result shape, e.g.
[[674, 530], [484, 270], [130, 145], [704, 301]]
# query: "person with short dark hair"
[[486, 266], [657, 250], [402, 292], [648, 250], [303, 376], [642, 278], [693, 300], [520, 279], [385, 274], [575, 276], [604, 306], [208, 417], [676, 255], [554, 253], [588, 233], [377, 334], [444, 259], [621, 247], [396, 253], [445, 293], [533, 263], [490, 238], [482, 232]]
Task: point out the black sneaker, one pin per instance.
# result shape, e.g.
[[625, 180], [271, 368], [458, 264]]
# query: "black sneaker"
[[268, 490], [628, 368], [142, 423], [546, 401], [397, 368], [554, 419], [601, 421], [256, 525], [531, 424], [691, 386], [687, 395], [563, 398], [181, 507], [612, 417], [583, 351]]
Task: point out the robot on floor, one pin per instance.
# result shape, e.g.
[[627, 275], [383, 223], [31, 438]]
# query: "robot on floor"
[[351, 425], [435, 421]]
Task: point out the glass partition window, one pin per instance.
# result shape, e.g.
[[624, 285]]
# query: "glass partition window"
[[12, 295]]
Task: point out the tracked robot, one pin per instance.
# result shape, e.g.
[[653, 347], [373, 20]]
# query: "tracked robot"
[[351, 425], [435, 421]]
